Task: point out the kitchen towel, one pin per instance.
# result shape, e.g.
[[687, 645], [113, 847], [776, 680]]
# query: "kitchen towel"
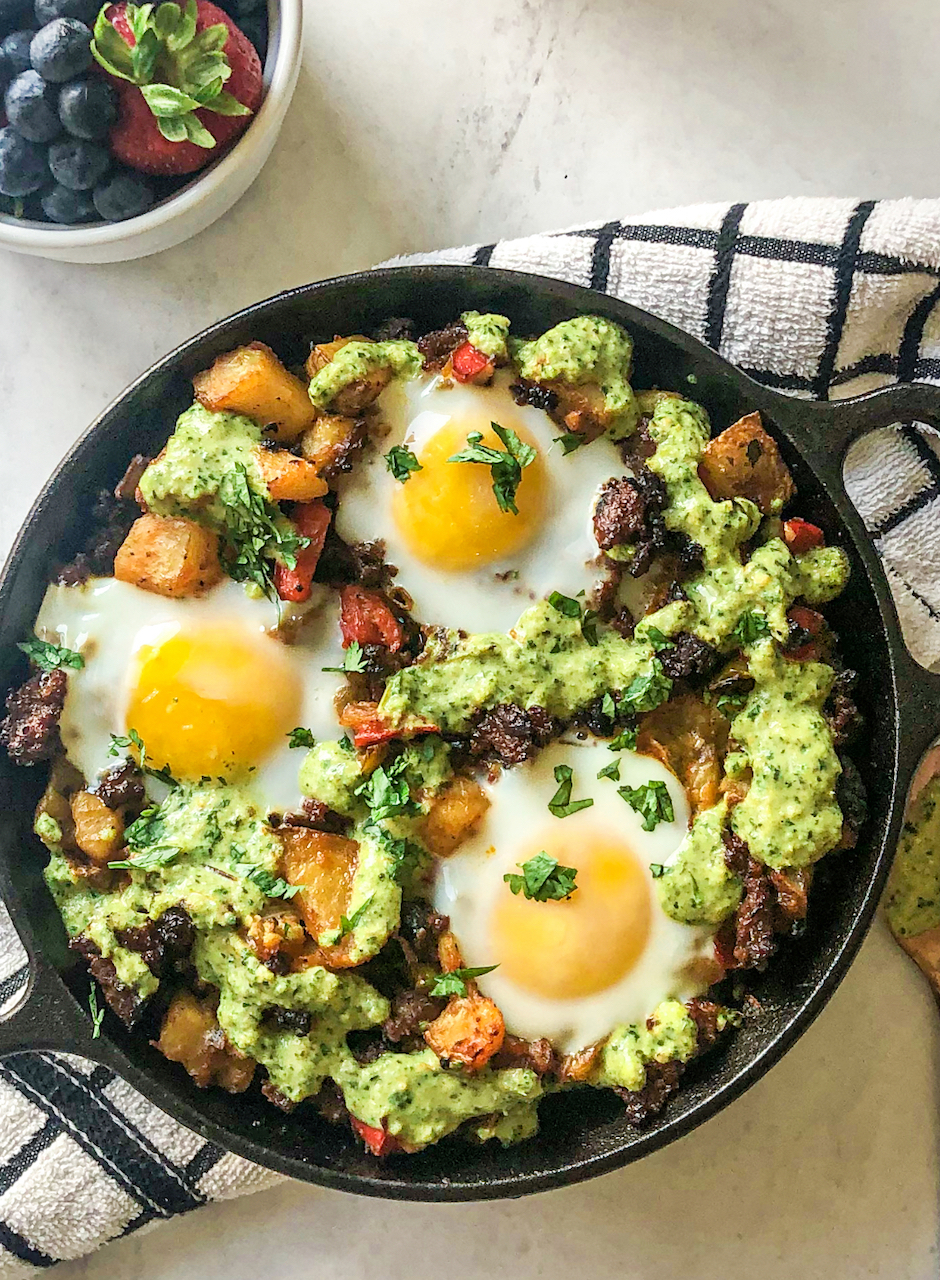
[[819, 298]]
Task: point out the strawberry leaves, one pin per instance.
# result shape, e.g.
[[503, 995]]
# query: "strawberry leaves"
[[178, 70]]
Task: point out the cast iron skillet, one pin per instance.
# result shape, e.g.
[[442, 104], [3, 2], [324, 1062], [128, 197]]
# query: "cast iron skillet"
[[583, 1134]]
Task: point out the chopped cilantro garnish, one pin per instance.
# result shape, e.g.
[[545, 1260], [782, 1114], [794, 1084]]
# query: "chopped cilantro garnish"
[[729, 704], [404, 853], [255, 534], [401, 462], [608, 706], [270, 884], [652, 800], [97, 1013], [543, 879], [569, 441], [751, 626], [386, 792], [657, 870], [561, 804], [133, 739], [646, 692], [151, 859], [50, 656], [611, 770], [455, 982], [353, 659], [301, 737], [505, 466], [658, 640], [624, 741], [565, 605], [347, 926]]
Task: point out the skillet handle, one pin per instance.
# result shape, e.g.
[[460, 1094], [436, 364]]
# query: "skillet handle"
[[47, 1017], [845, 421]]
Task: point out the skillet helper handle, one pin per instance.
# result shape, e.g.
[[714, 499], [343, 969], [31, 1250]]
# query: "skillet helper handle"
[[850, 419], [47, 1017]]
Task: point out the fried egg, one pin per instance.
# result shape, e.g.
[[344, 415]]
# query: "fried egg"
[[465, 562], [573, 970], [206, 682]]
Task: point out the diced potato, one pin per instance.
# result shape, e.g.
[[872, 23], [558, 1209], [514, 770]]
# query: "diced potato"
[[744, 462], [279, 935], [455, 814], [251, 380], [448, 952], [331, 441], [99, 831], [191, 1035], [289, 479], [171, 557], [690, 739], [581, 409], [358, 395], [326, 866], [577, 1067], [468, 1032]]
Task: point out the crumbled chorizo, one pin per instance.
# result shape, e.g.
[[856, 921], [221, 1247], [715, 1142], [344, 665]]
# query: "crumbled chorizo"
[[689, 657], [754, 919], [619, 513], [511, 734], [30, 729], [121, 997]]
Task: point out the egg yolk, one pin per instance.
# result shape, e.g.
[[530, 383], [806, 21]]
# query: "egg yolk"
[[212, 700], [586, 943], [447, 512]]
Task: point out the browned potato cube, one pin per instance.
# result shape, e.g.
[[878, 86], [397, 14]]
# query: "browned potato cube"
[[690, 739], [581, 409], [329, 443], [468, 1032], [289, 479], [358, 395], [171, 557], [251, 380], [455, 814], [280, 934], [99, 831], [191, 1035], [326, 866], [744, 462]]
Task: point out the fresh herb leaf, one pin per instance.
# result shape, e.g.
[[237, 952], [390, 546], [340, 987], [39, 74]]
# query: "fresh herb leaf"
[[272, 885], [255, 534], [386, 792], [569, 441], [561, 804], [345, 743], [347, 926], [455, 982], [405, 854], [646, 692], [148, 859], [624, 741], [565, 605], [505, 466], [589, 627], [49, 657], [657, 870], [608, 707], [729, 704], [658, 640], [97, 1013], [301, 737], [353, 659], [133, 739], [543, 879], [751, 626], [401, 462], [611, 770], [652, 800]]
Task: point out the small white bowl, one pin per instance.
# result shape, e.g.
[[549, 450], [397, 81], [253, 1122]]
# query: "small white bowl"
[[207, 196]]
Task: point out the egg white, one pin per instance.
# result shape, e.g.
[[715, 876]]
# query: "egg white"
[[563, 554], [470, 882], [107, 621]]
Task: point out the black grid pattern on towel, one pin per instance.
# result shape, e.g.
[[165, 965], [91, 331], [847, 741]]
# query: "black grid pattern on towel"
[[68, 1105]]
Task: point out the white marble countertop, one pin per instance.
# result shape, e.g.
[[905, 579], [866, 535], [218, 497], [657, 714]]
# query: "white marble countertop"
[[426, 122]]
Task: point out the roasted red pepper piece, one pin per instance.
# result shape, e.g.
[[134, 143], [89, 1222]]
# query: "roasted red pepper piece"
[[369, 729], [367, 618], [376, 1139], [471, 365], [311, 519], [801, 536], [811, 621]]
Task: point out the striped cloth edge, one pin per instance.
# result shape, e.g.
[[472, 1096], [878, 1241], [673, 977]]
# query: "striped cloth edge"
[[820, 298]]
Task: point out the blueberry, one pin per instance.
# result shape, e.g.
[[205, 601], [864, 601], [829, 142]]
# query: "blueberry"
[[255, 27], [124, 195], [31, 108], [47, 10], [62, 205], [61, 50], [87, 107], [14, 14], [16, 50], [23, 165], [77, 164]]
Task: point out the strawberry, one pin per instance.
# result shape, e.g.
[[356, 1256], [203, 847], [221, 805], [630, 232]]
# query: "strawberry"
[[188, 81]]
